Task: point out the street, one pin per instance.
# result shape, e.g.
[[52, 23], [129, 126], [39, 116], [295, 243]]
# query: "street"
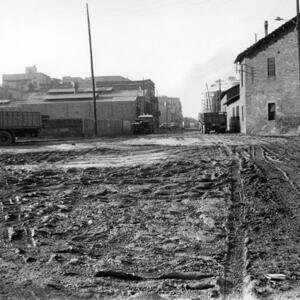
[[179, 216]]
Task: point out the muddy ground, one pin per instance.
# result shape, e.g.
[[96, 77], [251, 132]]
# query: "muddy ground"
[[157, 217]]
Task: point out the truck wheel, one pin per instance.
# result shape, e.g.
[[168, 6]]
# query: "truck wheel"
[[6, 138]]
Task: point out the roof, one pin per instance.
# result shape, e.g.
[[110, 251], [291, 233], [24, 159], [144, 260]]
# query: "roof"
[[15, 77], [109, 78], [233, 94], [61, 91], [5, 101], [79, 91], [82, 96], [267, 40], [118, 99], [99, 89], [22, 76]]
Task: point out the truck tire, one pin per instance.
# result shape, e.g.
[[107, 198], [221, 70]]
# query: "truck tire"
[[6, 138]]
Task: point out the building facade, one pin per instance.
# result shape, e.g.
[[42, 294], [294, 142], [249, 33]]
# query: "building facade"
[[29, 81], [269, 83], [119, 100], [231, 104], [70, 111], [170, 111]]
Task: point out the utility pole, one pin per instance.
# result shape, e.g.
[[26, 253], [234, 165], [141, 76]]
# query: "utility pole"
[[217, 104], [92, 72], [144, 106], [298, 31], [208, 97]]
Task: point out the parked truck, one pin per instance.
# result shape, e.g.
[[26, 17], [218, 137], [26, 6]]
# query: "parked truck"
[[15, 124], [143, 124], [213, 122]]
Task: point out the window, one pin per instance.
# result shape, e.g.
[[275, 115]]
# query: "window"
[[271, 66], [271, 111], [233, 114], [237, 111]]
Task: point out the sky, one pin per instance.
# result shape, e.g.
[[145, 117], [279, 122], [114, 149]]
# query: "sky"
[[179, 44]]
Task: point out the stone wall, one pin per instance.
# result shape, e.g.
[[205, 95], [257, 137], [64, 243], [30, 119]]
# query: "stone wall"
[[282, 89]]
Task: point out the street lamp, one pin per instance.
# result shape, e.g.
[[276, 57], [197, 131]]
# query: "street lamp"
[[279, 19]]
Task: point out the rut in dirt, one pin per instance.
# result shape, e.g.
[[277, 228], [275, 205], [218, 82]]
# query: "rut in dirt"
[[235, 263]]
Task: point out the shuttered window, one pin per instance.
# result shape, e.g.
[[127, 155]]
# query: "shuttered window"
[[271, 66]]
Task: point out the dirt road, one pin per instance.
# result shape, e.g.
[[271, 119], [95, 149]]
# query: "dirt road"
[[180, 217]]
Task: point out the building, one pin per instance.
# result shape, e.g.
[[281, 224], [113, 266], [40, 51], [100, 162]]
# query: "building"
[[190, 123], [170, 111], [26, 82], [230, 103], [206, 102], [73, 114], [211, 98], [69, 111], [148, 103], [269, 83]]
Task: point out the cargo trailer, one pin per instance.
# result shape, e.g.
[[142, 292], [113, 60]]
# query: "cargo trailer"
[[15, 124]]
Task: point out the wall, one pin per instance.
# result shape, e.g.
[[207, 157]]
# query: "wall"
[[241, 113], [114, 117], [282, 89]]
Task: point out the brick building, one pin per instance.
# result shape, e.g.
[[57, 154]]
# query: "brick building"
[[269, 83]]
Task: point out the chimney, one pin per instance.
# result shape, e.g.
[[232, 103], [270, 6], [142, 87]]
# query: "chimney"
[[266, 28]]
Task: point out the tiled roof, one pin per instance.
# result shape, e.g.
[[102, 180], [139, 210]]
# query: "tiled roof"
[[267, 40]]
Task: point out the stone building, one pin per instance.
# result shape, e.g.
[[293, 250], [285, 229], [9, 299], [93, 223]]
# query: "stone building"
[[170, 111], [269, 83]]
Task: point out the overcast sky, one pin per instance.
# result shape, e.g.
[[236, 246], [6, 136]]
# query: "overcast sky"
[[179, 44]]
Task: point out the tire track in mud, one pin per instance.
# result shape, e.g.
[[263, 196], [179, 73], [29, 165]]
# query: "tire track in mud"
[[236, 258], [273, 221], [277, 164]]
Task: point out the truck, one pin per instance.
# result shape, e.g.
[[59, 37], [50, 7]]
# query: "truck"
[[143, 124], [15, 124], [213, 122]]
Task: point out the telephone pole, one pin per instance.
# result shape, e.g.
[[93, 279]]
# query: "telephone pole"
[[220, 90], [92, 72], [208, 101], [298, 31]]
